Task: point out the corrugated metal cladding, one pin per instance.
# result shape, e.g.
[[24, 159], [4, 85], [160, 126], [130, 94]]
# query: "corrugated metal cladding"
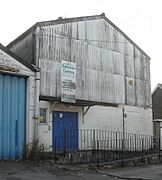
[[12, 116], [109, 67]]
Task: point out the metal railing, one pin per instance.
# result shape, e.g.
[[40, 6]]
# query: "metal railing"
[[91, 145]]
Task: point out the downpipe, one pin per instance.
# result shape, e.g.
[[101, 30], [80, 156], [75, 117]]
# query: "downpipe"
[[37, 91]]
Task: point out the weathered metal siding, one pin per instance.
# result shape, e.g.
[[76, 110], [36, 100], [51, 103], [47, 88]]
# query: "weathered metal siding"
[[12, 116], [109, 67], [24, 48]]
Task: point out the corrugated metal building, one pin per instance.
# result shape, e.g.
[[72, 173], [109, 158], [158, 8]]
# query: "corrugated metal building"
[[17, 104], [112, 74]]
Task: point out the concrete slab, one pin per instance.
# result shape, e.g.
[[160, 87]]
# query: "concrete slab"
[[151, 172], [24, 170]]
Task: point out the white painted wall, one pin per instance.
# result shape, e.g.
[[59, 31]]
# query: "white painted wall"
[[104, 118], [138, 120], [30, 108], [45, 129]]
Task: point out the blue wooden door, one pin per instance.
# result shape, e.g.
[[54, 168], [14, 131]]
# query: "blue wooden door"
[[12, 116], [65, 131]]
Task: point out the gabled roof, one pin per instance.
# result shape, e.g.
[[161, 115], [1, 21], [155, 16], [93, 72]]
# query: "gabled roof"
[[75, 19], [28, 65], [158, 86]]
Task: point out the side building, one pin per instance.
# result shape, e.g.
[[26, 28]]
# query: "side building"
[[157, 110], [17, 104], [111, 78]]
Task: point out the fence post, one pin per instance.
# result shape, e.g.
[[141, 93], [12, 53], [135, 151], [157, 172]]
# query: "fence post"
[[116, 145], [65, 141], [135, 144], [93, 145], [94, 139], [55, 150], [124, 115], [98, 153], [122, 152], [142, 150], [152, 145], [159, 148]]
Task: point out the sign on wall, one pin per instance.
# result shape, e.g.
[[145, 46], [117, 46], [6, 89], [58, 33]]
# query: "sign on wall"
[[68, 82]]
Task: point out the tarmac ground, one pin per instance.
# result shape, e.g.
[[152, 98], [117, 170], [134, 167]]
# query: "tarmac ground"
[[28, 170]]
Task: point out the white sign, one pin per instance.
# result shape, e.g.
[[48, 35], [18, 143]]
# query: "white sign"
[[68, 82]]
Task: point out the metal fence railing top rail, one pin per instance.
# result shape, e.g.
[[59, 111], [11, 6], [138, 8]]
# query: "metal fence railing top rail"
[[89, 145], [85, 139]]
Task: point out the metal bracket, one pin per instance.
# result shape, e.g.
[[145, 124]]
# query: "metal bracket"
[[84, 113], [52, 106]]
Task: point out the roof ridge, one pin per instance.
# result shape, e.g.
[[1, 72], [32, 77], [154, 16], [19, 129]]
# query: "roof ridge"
[[60, 19], [157, 86], [74, 19]]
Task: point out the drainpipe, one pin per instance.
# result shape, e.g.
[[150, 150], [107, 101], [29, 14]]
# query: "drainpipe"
[[37, 90], [124, 116], [123, 124]]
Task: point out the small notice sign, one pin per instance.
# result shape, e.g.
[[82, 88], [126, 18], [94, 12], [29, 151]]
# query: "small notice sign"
[[68, 82]]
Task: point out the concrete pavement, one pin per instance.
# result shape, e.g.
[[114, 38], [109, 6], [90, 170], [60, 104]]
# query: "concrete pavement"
[[151, 172], [11, 170], [27, 170]]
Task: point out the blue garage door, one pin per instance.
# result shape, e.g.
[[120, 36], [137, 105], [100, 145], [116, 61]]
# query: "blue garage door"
[[65, 131], [12, 116]]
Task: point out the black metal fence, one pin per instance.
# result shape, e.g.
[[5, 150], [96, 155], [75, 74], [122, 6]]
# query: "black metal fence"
[[90, 145]]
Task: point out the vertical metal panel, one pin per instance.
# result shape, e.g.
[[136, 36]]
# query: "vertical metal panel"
[[140, 93], [6, 116], [118, 63], [106, 61], [148, 93], [12, 116], [139, 65], [130, 90], [129, 66], [146, 69], [119, 89], [79, 82], [21, 115]]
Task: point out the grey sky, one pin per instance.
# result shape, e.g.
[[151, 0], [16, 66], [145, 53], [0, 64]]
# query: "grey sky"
[[139, 19]]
